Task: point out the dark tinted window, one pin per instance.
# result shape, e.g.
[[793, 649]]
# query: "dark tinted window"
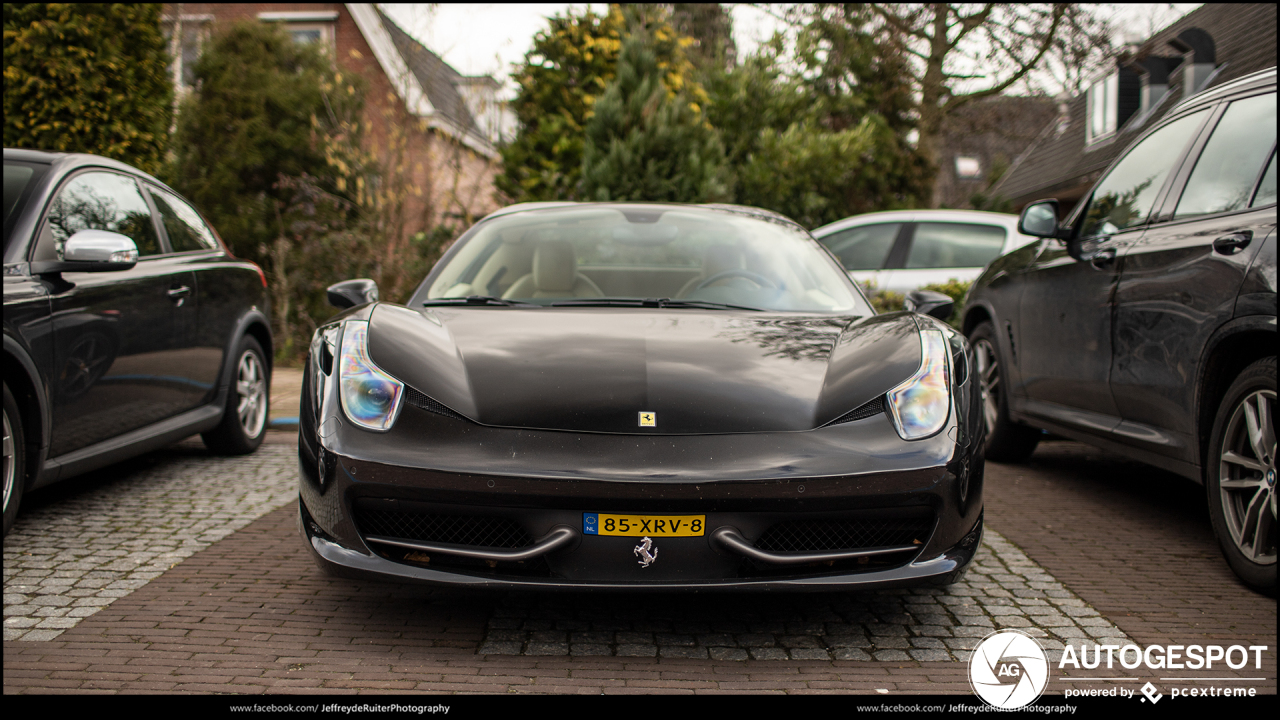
[[102, 201], [863, 248], [959, 245], [1267, 188], [183, 224], [1124, 197], [19, 179], [1223, 177]]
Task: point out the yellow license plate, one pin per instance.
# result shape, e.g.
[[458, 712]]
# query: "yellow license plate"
[[644, 525]]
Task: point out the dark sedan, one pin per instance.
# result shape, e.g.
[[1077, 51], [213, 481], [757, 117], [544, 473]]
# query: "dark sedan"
[[625, 395], [127, 324], [1146, 322]]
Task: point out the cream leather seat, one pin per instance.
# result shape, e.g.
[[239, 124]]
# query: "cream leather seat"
[[555, 274]]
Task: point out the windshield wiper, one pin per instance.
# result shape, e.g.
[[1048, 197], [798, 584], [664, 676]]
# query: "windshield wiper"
[[650, 303], [478, 300]]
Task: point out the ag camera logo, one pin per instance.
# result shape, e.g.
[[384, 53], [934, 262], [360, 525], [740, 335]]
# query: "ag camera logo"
[[1008, 670]]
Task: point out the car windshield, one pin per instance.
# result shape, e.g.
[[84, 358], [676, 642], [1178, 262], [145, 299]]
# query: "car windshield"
[[629, 254]]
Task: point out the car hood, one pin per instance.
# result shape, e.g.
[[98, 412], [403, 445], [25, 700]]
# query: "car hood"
[[598, 369]]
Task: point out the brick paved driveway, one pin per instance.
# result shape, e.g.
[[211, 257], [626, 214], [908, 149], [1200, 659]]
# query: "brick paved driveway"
[[179, 572]]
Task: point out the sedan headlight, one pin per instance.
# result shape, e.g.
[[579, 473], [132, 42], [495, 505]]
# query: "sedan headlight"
[[370, 397], [920, 405]]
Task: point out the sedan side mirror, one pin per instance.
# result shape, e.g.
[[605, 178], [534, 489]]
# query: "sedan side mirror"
[[934, 304], [1040, 219], [92, 251], [350, 293]]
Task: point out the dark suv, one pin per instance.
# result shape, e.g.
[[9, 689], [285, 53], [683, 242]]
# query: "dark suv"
[[1145, 323], [127, 324]]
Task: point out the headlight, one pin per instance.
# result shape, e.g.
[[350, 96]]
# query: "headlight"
[[370, 397], [919, 406]]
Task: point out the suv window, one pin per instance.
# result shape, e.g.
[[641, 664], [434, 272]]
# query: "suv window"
[[98, 201], [959, 245], [1124, 197], [863, 248], [1267, 188], [1223, 177], [183, 224]]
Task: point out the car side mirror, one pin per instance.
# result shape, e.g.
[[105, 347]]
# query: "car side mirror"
[[350, 293], [92, 251], [1040, 219], [934, 304]]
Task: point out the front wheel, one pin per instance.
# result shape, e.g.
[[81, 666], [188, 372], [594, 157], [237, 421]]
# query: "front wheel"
[[15, 454], [1007, 441], [1240, 476], [244, 421]]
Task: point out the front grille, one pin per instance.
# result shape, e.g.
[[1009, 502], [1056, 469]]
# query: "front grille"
[[476, 530], [874, 407], [484, 531], [423, 402], [836, 534]]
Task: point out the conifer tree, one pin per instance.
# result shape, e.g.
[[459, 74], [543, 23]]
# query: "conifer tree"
[[647, 142]]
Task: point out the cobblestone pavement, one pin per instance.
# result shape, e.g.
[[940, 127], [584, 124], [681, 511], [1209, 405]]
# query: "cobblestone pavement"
[[73, 556], [73, 553], [1004, 589]]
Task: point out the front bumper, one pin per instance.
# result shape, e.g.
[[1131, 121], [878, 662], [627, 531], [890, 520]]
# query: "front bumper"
[[494, 507]]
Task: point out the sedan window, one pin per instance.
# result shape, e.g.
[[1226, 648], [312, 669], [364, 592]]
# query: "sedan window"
[[102, 201], [183, 224], [1124, 197], [863, 248], [959, 245], [1224, 175]]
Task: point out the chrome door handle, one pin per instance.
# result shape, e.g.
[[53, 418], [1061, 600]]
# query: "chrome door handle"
[[1233, 243], [175, 293], [1102, 259]]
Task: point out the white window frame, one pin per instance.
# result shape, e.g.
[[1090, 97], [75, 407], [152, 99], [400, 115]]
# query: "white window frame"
[[1101, 108]]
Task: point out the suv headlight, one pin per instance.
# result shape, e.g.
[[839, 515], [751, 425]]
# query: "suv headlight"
[[370, 397], [919, 406]]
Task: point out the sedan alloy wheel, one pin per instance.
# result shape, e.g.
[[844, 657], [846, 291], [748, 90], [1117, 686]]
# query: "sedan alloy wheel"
[[251, 389]]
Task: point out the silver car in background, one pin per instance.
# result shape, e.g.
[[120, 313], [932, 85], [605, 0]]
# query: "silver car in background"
[[904, 250]]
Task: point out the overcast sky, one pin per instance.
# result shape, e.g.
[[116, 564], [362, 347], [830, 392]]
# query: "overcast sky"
[[485, 39]]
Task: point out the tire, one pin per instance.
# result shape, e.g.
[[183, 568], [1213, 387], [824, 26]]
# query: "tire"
[[15, 456], [244, 421], [1240, 476], [1007, 441]]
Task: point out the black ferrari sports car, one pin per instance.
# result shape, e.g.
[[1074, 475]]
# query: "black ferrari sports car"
[[614, 396]]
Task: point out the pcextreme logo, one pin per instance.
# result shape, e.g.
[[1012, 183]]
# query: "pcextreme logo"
[[1008, 670]]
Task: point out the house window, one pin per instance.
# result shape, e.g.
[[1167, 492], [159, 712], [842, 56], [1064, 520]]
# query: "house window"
[[968, 168], [1102, 99], [185, 49], [306, 27]]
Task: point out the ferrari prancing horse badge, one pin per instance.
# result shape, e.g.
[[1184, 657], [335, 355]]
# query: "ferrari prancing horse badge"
[[643, 551], [648, 419]]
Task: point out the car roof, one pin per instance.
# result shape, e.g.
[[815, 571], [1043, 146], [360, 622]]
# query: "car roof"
[[755, 212], [66, 162], [1260, 79], [964, 216]]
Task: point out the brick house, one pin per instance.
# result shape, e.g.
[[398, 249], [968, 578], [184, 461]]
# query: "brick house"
[[438, 128], [1207, 47]]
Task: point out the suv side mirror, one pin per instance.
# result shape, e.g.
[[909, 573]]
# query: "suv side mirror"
[[1040, 219], [934, 304], [350, 293]]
